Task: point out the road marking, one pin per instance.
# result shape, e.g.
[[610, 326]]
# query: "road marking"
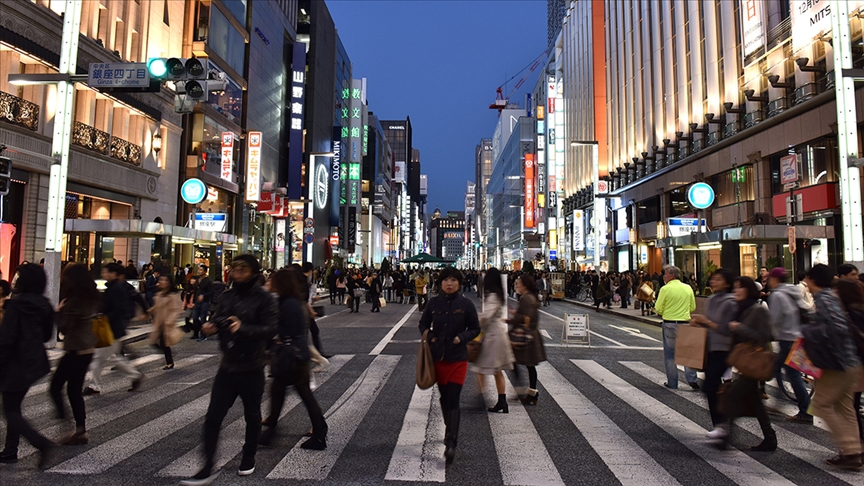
[[735, 465], [232, 435], [522, 456], [329, 315], [620, 345], [132, 403], [792, 443], [635, 332], [627, 461], [43, 387], [343, 418], [386, 339], [545, 333], [108, 454], [629, 348], [418, 455]]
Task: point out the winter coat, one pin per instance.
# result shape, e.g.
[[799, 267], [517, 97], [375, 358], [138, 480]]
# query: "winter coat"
[[117, 306], [75, 321], [721, 310], [527, 315], [448, 316], [496, 353], [165, 312], [294, 325], [783, 305], [258, 313], [28, 322], [755, 327]]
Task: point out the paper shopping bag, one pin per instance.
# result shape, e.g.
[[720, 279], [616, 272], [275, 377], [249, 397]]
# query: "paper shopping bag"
[[691, 346], [797, 359]]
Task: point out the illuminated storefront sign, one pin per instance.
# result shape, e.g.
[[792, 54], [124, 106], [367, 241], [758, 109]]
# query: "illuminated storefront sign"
[[529, 191], [812, 18], [227, 155], [752, 26], [217, 222], [253, 167], [578, 230], [298, 95], [193, 191], [352, 112], [335, 177]]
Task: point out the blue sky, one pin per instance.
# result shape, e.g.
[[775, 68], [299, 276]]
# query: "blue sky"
[[439, 62]]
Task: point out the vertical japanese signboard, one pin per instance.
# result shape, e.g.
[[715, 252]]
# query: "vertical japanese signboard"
[[227, 155], [752, 27], [295, 137], [336, 177], [253, 166], [529, 191]]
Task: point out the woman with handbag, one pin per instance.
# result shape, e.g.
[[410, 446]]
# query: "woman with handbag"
[[28, 322], [496, 354], [80, 302], [830, 346], [289, 360], [165, 311], [752, 355], [527, 343], [451, 320], [645, 295], [188, 299], [721, 309]]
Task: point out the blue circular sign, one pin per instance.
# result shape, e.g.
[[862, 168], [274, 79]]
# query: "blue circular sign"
[[309, 238], [700, 195], [193, 191]]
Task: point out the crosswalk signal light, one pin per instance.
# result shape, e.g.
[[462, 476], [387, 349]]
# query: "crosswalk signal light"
[[5, 175]]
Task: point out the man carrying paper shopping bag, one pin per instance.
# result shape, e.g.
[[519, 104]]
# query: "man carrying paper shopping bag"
[[675, 303]]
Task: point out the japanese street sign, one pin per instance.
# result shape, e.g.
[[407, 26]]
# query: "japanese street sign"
[[118, 75]]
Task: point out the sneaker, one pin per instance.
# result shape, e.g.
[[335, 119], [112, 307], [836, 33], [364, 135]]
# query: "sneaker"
[[851, 462], [90, 391], [717, 433], [801, 418], [694, 385], [667, 385], [204, 477], [247, 466]]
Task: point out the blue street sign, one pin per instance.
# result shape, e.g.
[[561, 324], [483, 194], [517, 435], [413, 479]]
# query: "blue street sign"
[[553, 254], [193, 191]]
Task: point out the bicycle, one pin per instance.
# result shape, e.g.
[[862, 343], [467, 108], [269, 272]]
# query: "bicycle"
[[585, 295]]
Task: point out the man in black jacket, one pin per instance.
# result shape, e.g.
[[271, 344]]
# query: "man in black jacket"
[[203, 294], [246, 320], [118, 307]]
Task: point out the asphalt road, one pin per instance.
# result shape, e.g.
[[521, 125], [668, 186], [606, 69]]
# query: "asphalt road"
[[603, 417]]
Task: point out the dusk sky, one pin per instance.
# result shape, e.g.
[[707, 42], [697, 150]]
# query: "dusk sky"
[[439, 62]]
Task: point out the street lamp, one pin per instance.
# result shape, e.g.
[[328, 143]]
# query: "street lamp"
[[310, 194], [599, 203]]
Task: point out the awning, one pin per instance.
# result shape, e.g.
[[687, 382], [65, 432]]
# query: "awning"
[[136, 228], [748, 234]]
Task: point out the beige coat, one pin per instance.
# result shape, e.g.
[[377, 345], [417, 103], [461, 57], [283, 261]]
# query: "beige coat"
[[165, 312], [496, 353]]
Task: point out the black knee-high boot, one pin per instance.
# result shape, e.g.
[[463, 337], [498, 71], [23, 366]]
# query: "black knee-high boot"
[[445, 408], [451, 438]]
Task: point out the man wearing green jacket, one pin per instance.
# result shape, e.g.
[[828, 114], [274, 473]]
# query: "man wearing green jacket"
[[675, 303]]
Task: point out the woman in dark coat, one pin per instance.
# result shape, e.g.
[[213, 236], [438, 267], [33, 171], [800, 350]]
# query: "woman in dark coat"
[[28, 322], [751, 325], [452, 321], [527, 316], [290, 286]]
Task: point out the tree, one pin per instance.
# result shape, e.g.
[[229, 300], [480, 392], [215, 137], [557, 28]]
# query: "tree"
[[336, 263]]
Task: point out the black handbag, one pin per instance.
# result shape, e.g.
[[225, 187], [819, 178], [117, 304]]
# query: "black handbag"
[[285, 361], [520, 336]]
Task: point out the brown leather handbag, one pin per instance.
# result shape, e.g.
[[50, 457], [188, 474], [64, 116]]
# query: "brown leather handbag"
[[425, 365], [756, 362]]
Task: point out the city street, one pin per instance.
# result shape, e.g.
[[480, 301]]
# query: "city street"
[[603, 417]]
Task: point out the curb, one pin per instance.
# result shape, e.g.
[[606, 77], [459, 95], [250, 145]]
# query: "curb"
[[643, 319]]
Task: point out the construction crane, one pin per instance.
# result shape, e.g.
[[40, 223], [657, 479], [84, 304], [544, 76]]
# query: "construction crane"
[[501, 100]]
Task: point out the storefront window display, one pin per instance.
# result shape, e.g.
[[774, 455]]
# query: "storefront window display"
[[207, 144], [260, 237], [81, 247]]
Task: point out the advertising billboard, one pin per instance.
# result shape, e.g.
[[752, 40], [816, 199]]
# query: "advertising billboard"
[[253, 166], [529, 192], [227, 155]]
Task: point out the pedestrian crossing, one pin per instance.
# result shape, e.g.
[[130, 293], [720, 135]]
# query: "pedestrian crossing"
[[600, 418]]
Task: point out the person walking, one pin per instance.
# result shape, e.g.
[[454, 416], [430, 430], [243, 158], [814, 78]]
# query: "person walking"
[[624, 290], [451, 320], [420, 285], [118, 307], [246, 320], [388, 287], [355, 292], [375, 292], [851, 295], [527, 316], [331, 285], [79, 303], [834, 351], [674, 304], [496, 354], [341, 285], [784, 305], [292, 331], [28, 322], [721, 310], [203, 294], [187, 296], [398, 288], [645, 295], [165, 312]]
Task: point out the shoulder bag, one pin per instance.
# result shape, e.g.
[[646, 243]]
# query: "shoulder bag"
[[285, 362], [425, 365], [102, 331], [752, 361], [520, 336]]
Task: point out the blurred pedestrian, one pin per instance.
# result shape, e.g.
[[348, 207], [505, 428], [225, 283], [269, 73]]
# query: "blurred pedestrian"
[[165, 312], [526, 316], [496, 354]]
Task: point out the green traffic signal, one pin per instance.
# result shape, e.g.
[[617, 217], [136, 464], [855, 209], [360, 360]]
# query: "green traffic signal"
[[157, 67]]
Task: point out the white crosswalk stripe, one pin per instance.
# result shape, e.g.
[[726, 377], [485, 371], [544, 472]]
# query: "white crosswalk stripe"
[[737, 466], [519, 448]]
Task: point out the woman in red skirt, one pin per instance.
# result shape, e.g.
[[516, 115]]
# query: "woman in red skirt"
[[452, 321]]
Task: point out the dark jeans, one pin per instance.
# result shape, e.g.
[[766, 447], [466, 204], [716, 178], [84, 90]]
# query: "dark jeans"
[[199, 316], [341, 294], [355, 303], [70, 372], [249, 386], [793, 376], [375, 304], [715, 366], [17, 425], [316, 335], [277, 400], [422, 300]]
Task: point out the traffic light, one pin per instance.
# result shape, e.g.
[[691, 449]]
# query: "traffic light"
[[5, 175], [157, 67]]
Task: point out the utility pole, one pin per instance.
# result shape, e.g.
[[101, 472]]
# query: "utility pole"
[[847, 134]]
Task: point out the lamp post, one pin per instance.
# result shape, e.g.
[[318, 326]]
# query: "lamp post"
[[599, 202]]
